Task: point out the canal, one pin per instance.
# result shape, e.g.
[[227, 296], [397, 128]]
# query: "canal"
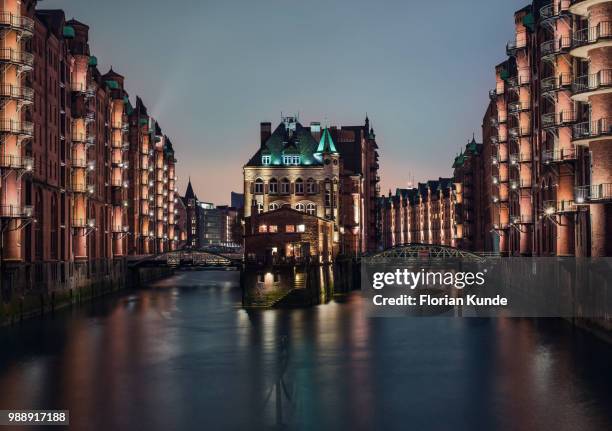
[[183, 354]]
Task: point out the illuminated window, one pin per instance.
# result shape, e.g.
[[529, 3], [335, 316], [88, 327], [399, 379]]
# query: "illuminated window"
[[263, 228], [259, 186], [291, 160], [265, 160], [273, 229], [290, 228], [284, 186], [299, 186], [311, 186], [311, 209], [273, 186], [300, 207], [273, 206], [260, 208], [301, 228]]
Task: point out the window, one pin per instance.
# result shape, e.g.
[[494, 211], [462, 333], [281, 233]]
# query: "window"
[[273, 206], [273, 186], [262, 228], [273, 229], [300, 207], [299, 186], [291, 160], [290, 228], [260, 208], [259, 186], [311, 209], [301, 228], [265, 160], [328, 200], [311, 187], [284, 186]]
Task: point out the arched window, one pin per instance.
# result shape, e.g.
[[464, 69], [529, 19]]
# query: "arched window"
[[273, 186], [300, 207], [299, 186], [54, 227], [273, 206], [311, 187], [260, 208], [311, 209], [259, 186], [284, 186]]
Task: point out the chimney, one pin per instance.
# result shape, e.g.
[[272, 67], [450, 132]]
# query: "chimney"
[[265, 131]]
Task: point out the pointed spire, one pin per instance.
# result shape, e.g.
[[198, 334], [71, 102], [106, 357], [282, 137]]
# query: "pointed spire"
[[326, 144], [189, 194]]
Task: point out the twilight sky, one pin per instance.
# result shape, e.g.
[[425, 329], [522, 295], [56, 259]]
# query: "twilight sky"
[[211, 71]]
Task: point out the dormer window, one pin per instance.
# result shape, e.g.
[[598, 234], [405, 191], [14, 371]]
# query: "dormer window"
[[265, 160], [291, 160]]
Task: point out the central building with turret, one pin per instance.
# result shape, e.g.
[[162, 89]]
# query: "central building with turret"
[[324, 172]]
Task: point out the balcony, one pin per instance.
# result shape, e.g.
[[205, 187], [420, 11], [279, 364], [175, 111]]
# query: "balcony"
[[591, 38], [519, 184], [520, 42], [593, 193], [523, 78], [558, 119], [21, 94], [593, 84], [521, 219], [581, 7], [18, 23], [83, 187], [560, 82], [84, 223], [553, 47], [558, 156], [17, 163], [554, 10], [591, 131], [23, 128], [16, 211], [22, 59], [559, 207], [517, 132], [516, 107]]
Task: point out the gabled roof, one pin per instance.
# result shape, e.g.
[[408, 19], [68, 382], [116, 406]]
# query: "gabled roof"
[[189, 194], [326, 144], [285, 141]]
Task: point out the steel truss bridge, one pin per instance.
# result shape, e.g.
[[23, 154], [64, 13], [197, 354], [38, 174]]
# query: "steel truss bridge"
[[194, 257], [432, 252]]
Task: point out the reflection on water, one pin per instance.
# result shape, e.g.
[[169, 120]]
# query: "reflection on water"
[[185, 355]]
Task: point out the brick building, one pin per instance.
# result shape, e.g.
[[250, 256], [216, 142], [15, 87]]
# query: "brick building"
[[70, 206], [424, 214], [286, 235], [331, 173], [552, 144]]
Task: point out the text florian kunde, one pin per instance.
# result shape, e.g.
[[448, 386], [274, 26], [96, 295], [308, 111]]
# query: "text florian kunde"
[[430, 281]]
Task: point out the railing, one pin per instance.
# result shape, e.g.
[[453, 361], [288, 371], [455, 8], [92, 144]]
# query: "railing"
[[83, 223], [558, 82], [561, 155], [17, 92], [516, 132], [522, 79], [17, 127], [83, 188], [519, 42], [16, 211], [555, 45], [116, 183], [17, 22], [16, 162], [591, 35], [554, 207], [555, 119], [593, 129], [596, 192], [79, 163], [21, 58], [518, 106], [593, 82], [522, 219]]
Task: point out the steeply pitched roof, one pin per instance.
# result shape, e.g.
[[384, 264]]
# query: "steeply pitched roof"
[[326, 144], [189, 194], [287, 141]]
